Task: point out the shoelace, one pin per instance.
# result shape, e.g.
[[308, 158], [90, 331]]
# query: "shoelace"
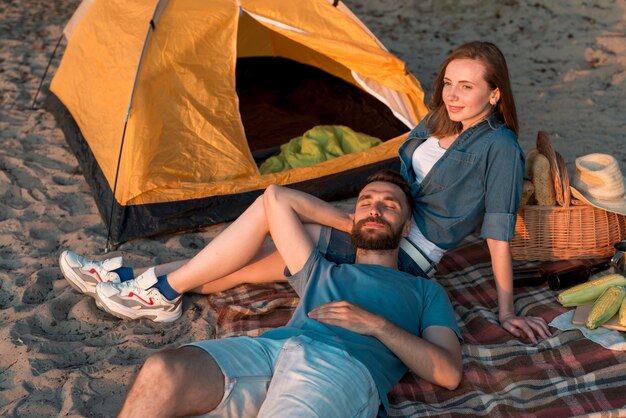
[[130, 286], [86, 264]]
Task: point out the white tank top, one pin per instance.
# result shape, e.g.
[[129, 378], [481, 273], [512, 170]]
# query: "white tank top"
[[423, 160]]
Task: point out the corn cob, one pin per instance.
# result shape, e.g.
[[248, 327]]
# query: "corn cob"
[[606, 306], [622, 314], [590, 291]]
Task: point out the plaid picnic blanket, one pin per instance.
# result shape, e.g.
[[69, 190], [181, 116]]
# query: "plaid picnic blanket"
[[563, 376]]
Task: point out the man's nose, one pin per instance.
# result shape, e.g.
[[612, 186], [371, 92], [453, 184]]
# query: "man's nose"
[[375, 209]]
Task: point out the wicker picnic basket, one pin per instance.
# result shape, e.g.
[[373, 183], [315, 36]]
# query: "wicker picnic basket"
[[546, 233], [569, 229]]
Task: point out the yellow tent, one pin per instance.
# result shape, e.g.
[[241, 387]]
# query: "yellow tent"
[[169, 105]]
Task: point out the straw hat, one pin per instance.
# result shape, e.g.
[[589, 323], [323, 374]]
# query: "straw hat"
[[598, 181]]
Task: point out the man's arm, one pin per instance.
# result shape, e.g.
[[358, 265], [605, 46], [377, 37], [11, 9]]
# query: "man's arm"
[[435, 357], [286, 210], [311, 209]]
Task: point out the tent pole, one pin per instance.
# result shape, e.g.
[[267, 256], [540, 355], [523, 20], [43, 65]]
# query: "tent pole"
[[156, 14], [46, 71], [117, 171]]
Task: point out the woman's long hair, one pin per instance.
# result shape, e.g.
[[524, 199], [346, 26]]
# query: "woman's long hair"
[[496, 76]]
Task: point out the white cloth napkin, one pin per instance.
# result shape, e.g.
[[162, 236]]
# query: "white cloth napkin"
[[607, 338]]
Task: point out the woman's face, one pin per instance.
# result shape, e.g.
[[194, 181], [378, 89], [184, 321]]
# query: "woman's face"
[[466, 94]]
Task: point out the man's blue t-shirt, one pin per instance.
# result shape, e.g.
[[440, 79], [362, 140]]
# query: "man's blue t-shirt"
[[412, 303]]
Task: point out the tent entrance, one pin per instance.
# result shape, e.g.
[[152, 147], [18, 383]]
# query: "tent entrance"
[[280, 99]]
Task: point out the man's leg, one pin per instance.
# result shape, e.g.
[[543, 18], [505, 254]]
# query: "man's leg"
[[180, 382]]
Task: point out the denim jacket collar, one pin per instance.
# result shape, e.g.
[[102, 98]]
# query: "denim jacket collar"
[[493, 121]]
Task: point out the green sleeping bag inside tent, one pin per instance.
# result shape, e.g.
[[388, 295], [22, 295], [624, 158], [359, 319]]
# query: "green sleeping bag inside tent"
[[316, 145]]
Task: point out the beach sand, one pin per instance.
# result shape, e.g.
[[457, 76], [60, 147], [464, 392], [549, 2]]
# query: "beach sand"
[[61, 356]]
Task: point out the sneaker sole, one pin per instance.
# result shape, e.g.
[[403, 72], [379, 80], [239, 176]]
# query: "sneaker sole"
[[122, 312], [99, 305], [74, 279]]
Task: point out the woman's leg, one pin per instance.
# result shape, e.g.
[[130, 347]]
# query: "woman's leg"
[[235, 256], [266, 267], [228, 252], [162, 269]]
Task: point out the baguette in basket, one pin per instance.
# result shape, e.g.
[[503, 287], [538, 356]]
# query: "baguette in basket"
[[543, 181], [560, 231]]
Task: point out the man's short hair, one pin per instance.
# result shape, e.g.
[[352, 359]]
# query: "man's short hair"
[[392, 176]]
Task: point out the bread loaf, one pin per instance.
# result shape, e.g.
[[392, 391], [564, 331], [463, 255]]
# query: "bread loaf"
[[543, 181], [527, 192], [530, 157]]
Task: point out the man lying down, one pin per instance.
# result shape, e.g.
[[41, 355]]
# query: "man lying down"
[[356, 331]]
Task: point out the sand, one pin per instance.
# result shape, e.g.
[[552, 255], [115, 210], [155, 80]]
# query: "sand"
[[61, 356]]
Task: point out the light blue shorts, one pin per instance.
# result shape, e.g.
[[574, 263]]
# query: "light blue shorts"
[[297, 377]]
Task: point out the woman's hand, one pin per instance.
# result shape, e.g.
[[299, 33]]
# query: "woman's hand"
[[529, 326], [520, 326]]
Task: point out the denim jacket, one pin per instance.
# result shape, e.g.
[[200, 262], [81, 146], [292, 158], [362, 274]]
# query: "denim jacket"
[[477, 182]]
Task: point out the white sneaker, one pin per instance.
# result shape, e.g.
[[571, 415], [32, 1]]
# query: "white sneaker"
[[135, 299], [84, 274]]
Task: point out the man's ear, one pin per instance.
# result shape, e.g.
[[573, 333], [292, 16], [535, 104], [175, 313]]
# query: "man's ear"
[[407, 227]]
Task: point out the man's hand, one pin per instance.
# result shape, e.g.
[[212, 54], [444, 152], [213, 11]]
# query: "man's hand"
[[349, 316], [436, 357]]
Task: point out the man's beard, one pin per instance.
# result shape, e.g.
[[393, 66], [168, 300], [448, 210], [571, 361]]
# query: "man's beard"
[[375, 240]]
